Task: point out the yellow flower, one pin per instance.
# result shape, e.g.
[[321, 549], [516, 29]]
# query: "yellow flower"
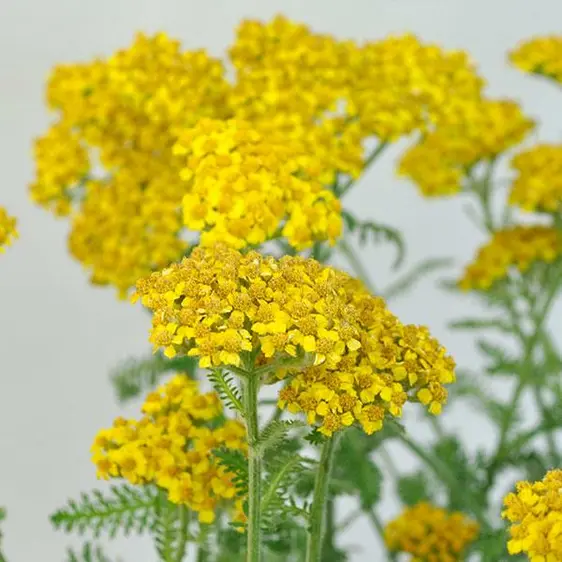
[[469, 132], [246, 188], [541, 55], [538, 184], [8, 229], [356, 361], [515, 247], [430, 533], [171, 446], [535, 514]]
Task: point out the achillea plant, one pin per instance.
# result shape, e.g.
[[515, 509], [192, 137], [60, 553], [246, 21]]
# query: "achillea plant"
[[219, 204]]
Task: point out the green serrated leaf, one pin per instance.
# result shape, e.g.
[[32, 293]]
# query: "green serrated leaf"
[[276, 433], [502, 363], [236, 463], [481, 324], [136, 377], [408, 280], [89, 553], [225, 386], [413, 488], [125, 508]]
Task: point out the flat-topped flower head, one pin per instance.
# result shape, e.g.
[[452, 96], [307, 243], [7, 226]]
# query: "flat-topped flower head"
[[540, 55], [246, 187], [517, 247], [535, 514], [8, 231], [538, 184], [172, 446], [355, 361], [430, 534], [469, 132]]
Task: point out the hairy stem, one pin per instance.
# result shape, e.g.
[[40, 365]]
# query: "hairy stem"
[[251, 390], [319, 498], [184, 533]]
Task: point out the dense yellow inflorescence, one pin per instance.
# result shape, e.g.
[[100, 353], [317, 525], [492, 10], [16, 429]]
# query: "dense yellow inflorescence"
[[171, 446], [8, 229], [430, 534], [246, 188], [538, 184], [535, 512], [541, 55], [469, 133], [515, 247], [360, 362]]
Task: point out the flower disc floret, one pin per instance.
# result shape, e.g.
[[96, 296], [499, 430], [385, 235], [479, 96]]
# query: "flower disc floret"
[[517, 247], [171, 446], [535, 514], [430, 534], [356, 362]]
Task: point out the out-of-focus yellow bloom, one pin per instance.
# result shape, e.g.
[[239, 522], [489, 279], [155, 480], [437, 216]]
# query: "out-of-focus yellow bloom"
[[430, 534], [171, 446], [538, 184], [515, 247], [245, 188], [469, 133], [8, 229], [535, 512], [359, 362], [541, 55]]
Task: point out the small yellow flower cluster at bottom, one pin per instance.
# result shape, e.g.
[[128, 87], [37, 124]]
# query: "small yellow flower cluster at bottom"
[[535, 511], [7, 229], [171, 446], [430, 533]]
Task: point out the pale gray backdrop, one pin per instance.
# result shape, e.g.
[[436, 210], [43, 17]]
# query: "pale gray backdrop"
[[59, 336]]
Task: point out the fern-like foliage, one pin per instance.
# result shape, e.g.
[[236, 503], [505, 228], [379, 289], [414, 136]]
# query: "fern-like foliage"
[[125, 508], [135, 377], [236, 463], [276, 433], [170, 531], [225, 386], [88, 553], [368, 230]]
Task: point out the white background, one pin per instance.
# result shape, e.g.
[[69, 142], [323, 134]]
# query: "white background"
[[59, 336]]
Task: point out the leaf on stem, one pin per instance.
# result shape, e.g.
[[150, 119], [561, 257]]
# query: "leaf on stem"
[[88, 553]]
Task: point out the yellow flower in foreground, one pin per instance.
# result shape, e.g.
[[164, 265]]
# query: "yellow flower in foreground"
[[247, 187], [541, 55], [171, 446], [535, 511], [538, 184], [516, 247], [359, 362], [469, 133], [430, 534], [7, 229]]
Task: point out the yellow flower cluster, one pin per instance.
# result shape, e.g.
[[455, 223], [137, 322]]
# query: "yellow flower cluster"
[[228, 308], [430, 534], [535, 511], [171, 446], [538, 184], [541, 55], [7, 229], [401, 85], [469, 133], [515, 247], [246, 188], [123, 113]]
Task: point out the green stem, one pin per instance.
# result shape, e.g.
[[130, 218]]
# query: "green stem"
[[379, 149], [355, 263], [251, 390], [319, 498], [544, 411], [377, 524], [184, 533], [3, 558]]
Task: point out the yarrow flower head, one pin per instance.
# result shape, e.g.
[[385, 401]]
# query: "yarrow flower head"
[[538, 184], [246, 188], [469, 133], [430, 534], [517, 247], [8, 229], [535, 512], [356, 362], [171, 446], [541, 55]]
